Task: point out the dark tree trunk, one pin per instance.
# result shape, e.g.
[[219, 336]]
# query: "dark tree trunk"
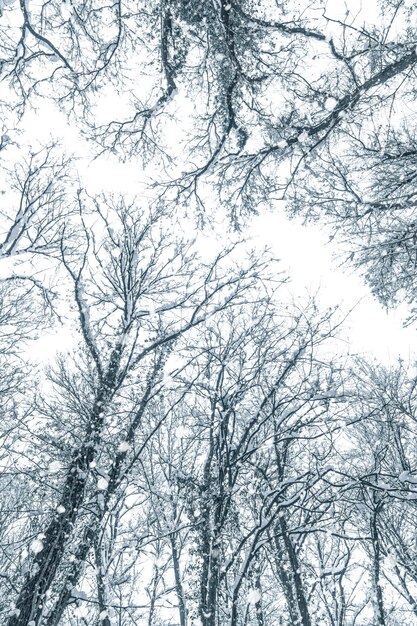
[[379, 601], [178, 582], [294, 581]]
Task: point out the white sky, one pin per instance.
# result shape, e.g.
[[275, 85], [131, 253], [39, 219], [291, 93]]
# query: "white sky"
[[303, 250], [310, 259]]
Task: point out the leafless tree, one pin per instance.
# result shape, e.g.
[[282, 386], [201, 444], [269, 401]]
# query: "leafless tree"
[[200, 457], [136, 291], [268, 84]]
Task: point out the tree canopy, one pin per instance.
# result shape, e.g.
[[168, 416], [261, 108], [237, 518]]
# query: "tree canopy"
[[201, 451]]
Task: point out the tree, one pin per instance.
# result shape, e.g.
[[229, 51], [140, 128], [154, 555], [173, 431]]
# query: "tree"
[[201, 456], [30, 230], [270, 84], [376, 484], [254, 391], [136, 292]]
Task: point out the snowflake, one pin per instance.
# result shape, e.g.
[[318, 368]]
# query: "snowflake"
[[330, 104], [36, 546], [253, 596], [54, 467], [102, 484], [303, 137], [123, 446], [80, 595]]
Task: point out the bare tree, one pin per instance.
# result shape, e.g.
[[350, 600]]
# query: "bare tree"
[[267, 84], [253, 387], [136, 291], [199, 457]]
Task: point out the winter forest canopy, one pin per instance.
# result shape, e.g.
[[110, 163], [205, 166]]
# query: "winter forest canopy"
[[203, 450]]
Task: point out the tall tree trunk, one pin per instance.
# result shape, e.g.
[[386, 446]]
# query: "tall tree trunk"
[[30, 602], [376, 546], [102, 591], [178, 582], [293, 582], [73, 574]]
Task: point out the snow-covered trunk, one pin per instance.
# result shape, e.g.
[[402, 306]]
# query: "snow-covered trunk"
[[102, 586], [213, 501], [73, 574], [255, 596], [75, 569], [30, 601], [380, 619], [178, 581], [209, 598], [210, 576], [292, 582], [56, 536], [154, 595], [260, 617], [285, 580], [340, 602]]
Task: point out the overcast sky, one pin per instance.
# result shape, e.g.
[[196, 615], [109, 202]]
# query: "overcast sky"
[[313, 263]]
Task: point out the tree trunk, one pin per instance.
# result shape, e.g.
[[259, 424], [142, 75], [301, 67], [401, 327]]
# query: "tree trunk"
[[294, 581], [379, 602], [178, 582]]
